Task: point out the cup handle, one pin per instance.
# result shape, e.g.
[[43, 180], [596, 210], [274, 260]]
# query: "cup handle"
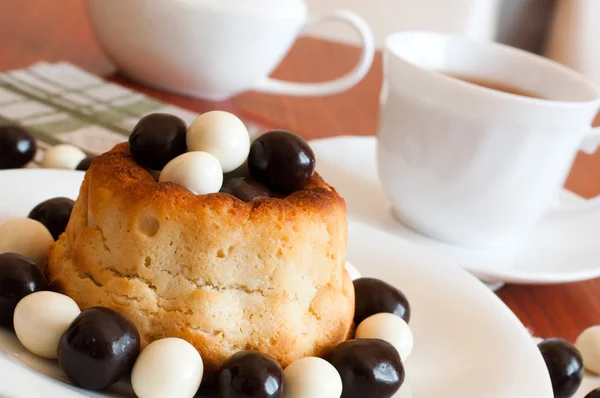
[[591, 141], [590, 144], [274, 86]]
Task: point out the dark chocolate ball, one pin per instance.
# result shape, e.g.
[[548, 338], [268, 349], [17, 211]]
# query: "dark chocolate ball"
[[282, 161], [250, 374], [245, 189], [98, 348], [241, 171], [54, 214], [594, 394], [368, 368], [17, 147], [564, 364], [19, 277], [374, 296], [157, 139], [85, 164]]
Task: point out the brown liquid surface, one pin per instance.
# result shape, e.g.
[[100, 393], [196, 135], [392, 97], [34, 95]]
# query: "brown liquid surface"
[[496, 86]]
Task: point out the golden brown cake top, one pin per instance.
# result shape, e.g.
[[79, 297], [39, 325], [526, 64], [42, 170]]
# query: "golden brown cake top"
[[118, 167]]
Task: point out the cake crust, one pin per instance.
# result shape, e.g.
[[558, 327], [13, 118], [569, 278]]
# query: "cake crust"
[[223, 274]]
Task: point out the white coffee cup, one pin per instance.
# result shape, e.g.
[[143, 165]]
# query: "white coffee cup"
[[215, 49], [470, 165]]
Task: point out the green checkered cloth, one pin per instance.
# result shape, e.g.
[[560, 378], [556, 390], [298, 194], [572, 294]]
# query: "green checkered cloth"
[[63, 104]]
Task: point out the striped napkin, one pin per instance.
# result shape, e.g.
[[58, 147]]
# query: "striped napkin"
[[63, 104]]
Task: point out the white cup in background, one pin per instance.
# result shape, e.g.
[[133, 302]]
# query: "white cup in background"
[[215, 49], [471, 165]]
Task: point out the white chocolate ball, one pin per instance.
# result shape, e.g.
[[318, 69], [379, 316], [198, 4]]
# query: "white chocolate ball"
[[311, 377], [352, 271], [169, 367], [200, 172], [221, 134], [41, 318], [27, 237], [388, 327], [63, 157], [588, 344]]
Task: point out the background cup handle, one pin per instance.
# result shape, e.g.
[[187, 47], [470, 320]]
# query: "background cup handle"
[[336, 86]]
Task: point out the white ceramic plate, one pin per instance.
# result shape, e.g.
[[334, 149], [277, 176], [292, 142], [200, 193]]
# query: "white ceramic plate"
[[468, 344], [563, 247]]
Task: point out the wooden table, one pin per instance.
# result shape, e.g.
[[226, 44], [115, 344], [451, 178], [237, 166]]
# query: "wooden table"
[[34, 30]]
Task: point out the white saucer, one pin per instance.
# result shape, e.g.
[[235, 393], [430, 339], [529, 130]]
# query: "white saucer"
[[468, 344], [562, 248]]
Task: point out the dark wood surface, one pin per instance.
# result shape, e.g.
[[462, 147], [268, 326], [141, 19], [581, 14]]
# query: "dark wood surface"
[[34, 30]]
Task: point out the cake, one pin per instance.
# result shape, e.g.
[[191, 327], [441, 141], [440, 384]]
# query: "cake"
[[224, 274], [196, 257]]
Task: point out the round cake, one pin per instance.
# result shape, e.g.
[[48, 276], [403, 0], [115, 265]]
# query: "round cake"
[[223, 274]]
